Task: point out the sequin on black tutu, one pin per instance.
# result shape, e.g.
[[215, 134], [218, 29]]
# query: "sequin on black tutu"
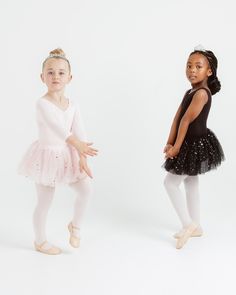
[[197, 156]]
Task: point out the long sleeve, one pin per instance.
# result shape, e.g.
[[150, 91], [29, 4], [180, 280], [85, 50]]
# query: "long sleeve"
[[78, 125], [49, 118]]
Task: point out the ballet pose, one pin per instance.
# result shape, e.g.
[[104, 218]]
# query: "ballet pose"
[[192, 148], [59, 156]]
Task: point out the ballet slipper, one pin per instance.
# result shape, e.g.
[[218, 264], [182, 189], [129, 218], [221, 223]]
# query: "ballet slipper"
[[197, 233], [52, 250], [74, 240], [188, 231]]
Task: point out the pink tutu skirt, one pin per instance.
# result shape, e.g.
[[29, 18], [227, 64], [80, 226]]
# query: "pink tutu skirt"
[[51, 165]]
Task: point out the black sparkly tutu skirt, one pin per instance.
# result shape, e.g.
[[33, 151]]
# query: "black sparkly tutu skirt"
[[196, 156]]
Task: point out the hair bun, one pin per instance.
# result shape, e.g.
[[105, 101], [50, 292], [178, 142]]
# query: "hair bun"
[[58, 51], [214, 84]]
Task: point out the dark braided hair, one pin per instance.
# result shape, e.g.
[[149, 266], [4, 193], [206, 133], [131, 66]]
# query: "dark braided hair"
[[213, 81]]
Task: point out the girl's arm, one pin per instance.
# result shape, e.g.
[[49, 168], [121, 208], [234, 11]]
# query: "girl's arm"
[[78, 125], [173, 130], [199, 100], [78, 136], [79, 131], [82, 147]]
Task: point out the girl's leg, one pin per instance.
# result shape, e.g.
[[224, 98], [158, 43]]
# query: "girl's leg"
[[83, 189], [172, 183], [45, 195], [191, 184]]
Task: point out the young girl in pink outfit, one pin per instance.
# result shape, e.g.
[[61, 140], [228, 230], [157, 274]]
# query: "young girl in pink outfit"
[[59, 156]]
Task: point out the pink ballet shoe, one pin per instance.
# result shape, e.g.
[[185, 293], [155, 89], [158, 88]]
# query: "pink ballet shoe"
[[52, 250], [197, 233], [74, 240], [186, 235]]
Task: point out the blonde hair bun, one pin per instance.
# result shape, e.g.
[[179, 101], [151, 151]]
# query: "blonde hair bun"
[[57, 51]]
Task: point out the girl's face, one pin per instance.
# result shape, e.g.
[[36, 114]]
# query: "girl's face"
[[56, 74], [198, 69]]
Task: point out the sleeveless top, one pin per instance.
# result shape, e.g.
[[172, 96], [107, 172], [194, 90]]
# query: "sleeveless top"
[[200, 151], [199, 126]]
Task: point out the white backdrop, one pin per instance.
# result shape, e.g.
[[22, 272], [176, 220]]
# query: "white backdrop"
[[128, 63]]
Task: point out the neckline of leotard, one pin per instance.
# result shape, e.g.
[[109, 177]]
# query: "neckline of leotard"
[[45, 99], [207, 90]]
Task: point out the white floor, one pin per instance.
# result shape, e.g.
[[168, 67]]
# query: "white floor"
[[124, 253]]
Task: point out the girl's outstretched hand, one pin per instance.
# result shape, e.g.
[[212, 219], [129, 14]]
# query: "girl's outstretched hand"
[[167, 147], [83, 166], [172, 152], [85, 149]]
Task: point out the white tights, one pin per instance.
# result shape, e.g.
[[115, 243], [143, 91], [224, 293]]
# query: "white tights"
[[45, 196], [188, 209]]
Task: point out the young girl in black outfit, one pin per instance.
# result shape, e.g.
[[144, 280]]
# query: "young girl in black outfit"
[[192, 148]]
